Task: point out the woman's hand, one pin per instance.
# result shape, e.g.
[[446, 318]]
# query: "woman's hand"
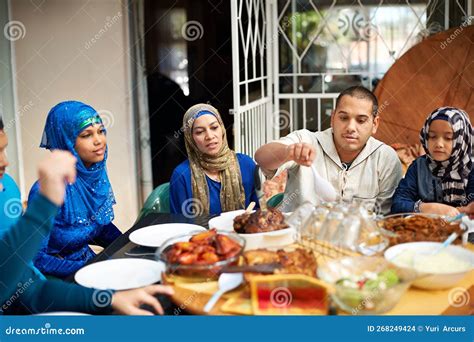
[[439, 209], [129, 302], [468, 210]]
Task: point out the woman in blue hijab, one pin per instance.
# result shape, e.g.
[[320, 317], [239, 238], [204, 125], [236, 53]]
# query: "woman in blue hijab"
[[86, 215]]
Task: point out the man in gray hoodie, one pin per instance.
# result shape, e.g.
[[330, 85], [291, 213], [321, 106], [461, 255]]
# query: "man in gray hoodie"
[[358, 166]]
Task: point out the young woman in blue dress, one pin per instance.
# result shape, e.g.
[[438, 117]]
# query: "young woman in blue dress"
[[87, 214]]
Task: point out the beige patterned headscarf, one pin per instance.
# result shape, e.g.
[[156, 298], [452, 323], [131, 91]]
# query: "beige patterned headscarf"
[[232, 191]]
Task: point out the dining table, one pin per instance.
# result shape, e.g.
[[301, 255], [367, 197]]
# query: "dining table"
[[414, 301], [122, 247]]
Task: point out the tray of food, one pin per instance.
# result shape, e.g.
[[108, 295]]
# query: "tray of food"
[[286, 272]]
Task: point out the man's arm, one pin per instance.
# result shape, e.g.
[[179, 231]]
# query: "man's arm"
[[273, 155]]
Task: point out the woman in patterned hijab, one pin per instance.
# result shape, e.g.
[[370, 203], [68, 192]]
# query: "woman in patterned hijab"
[[442, 181], [453, 171], [214, 179]]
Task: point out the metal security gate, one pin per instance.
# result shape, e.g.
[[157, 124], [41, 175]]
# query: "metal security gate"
[[291, 58], [251, 54]]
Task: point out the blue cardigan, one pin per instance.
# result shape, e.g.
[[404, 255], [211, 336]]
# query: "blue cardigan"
[[420, 184], [22, 291], [181, 189]]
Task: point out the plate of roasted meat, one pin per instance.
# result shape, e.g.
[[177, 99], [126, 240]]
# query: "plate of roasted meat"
[[260, 229]]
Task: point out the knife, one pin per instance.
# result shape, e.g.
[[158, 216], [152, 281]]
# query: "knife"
[[259, 268]]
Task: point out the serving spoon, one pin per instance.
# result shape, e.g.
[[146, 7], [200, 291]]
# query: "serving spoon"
[[227, 282]]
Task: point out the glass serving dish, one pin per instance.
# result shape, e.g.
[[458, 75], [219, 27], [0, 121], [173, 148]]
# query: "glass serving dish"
[[413, 227], [380, 292], [338, 230], [196, 272]]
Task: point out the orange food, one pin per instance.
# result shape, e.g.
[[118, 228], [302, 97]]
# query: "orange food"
[[208, 258], [225, 245], [187, 258], [204, 238], [205, 248]]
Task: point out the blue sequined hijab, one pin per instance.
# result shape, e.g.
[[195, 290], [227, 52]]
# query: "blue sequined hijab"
[[90, 199]]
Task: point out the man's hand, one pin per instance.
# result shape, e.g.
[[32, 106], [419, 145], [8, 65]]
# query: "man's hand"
[[54, 172], [301, 153], [129, 302], [273, 155]]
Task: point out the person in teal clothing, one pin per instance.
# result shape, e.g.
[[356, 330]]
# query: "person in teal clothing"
[[21, 290], [214, 179], [10, 201]]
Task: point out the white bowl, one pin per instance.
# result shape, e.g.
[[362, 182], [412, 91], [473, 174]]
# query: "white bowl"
[[433, 281], [225, 221], [277, 238]]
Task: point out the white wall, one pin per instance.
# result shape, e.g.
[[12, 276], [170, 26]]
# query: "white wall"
[[78, 50]]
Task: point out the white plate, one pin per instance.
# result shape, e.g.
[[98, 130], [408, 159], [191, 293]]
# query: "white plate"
[[277, 238], [120, 274], [226, 220], [154, 236]]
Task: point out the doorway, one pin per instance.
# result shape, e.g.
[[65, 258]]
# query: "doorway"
[[188, 61]]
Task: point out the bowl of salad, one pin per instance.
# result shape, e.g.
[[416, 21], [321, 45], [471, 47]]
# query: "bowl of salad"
[[366, 285]]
